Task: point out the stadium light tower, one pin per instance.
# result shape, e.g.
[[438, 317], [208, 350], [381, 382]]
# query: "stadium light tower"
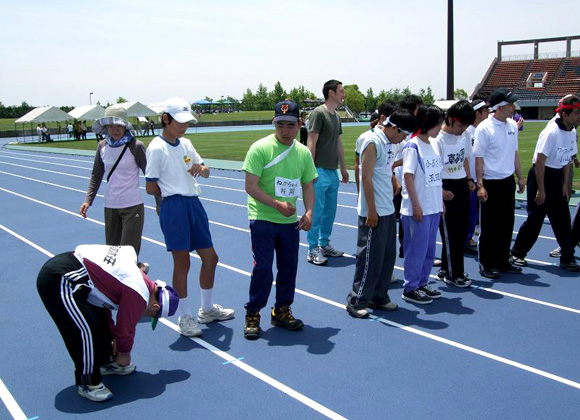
[[90, 98], [450, 84]]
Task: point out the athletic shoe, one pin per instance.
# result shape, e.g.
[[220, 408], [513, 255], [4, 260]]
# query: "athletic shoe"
[[316, 256], [556, 253], [490, 274], [96, 393], [441, 274], [284, 318], [252, 327], [389, 306], [476, 232], [217, 313], [330, 251], [518, 262], [436, 262], [458, 282], [470, 249], [188, 326], [430, 292], [143, 266], [570, 266], [473, 242], [394, 279], [417, 296], [510, 269], [116, 369], [357, 313]]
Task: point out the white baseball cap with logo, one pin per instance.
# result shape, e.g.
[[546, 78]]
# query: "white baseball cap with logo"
[[179, 109]]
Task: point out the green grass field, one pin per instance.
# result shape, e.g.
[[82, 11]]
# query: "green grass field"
[[234, 145]]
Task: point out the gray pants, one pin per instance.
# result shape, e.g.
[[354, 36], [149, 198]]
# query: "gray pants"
[[125, 226], [375, 260]]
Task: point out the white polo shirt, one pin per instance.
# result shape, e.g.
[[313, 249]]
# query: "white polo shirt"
[[167, 164], [497, 143], [361, 140], [557, 144], [454, 150], [382, 174]]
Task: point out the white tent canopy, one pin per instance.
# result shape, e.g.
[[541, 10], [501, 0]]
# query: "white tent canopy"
[[445, 104], [137, 109], [44, 114], [88, 112], [158, 107]]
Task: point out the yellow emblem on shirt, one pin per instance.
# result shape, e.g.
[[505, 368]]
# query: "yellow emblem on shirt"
[[187, 159]]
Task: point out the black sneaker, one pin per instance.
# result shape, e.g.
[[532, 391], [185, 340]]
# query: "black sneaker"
[[458, 282], [470, 250], [490, 274], [518, 262], [252, 327], [510, 269], [356, 313], [284, 318], [430, 292], [441, 274], [570, 266], [417, 296]]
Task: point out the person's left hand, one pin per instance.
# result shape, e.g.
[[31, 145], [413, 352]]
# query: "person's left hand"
[[521, 185], [196, 169], [305, 222], [344, 174]]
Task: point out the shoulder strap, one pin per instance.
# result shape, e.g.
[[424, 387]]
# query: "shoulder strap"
[[280, 157], [117, 162]]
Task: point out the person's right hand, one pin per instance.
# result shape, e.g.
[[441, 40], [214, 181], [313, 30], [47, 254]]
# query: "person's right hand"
[[418, 213], [482, 194], [286, 209], [84, 208], [540, 197]]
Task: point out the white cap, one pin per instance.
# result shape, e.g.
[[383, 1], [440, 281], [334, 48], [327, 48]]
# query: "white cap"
[[179, 109]]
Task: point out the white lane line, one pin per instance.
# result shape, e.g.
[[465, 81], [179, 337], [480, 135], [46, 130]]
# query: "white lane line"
[[10, 403], [222, 354], [434, 337], [524, 298], [260, 375]]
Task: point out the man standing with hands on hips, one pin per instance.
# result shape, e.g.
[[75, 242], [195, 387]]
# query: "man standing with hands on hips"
[[276, 166], [325, 144]]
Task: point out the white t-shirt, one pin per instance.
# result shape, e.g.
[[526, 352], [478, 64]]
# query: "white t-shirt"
[[470, 134], [426, 167], [557, 145], [398, 149], [454, 150], [167, 164], [382, 174], [497, 143]]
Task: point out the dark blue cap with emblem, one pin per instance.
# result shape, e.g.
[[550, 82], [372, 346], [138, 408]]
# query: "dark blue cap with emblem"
[[286, 111]]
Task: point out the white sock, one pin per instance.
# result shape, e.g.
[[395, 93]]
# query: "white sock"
[[183, 308], [206, 302]]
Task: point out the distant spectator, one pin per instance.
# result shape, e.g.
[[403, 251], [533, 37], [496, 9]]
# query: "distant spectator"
[[39, 132], [84, 130], [152, 126], [70, 130]]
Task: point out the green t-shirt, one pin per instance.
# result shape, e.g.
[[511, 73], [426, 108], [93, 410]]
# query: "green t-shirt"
[[281, 180], [329, 129]]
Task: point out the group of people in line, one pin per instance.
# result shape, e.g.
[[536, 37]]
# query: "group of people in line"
[[432, 171]]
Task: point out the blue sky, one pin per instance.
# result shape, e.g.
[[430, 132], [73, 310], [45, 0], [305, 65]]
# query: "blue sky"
[[57, 52]]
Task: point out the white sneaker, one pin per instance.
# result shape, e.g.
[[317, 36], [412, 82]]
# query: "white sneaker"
[[316, 256], [116, 369], [330, 251], [96, 393], [188, 326], [217, 313]]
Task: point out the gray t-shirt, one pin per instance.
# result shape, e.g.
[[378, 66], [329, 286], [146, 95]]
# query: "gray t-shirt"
[[328, 127]]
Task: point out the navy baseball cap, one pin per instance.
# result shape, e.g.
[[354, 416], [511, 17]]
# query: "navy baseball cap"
[[501, 97], [286, 111]]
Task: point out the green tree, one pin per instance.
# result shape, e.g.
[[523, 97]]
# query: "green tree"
[[121, 100], [277, 94], [207, 98], [427, 95], [262, 99], [248, 101], [299, 94], [370, 100], [460, 94], [353, 98]]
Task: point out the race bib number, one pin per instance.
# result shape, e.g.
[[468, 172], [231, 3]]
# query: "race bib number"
[[433, 167], [286, 187]]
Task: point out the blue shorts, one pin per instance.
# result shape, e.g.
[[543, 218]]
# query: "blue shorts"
[[184, 224]]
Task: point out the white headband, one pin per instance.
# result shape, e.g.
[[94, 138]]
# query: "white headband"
[[502, 103]]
